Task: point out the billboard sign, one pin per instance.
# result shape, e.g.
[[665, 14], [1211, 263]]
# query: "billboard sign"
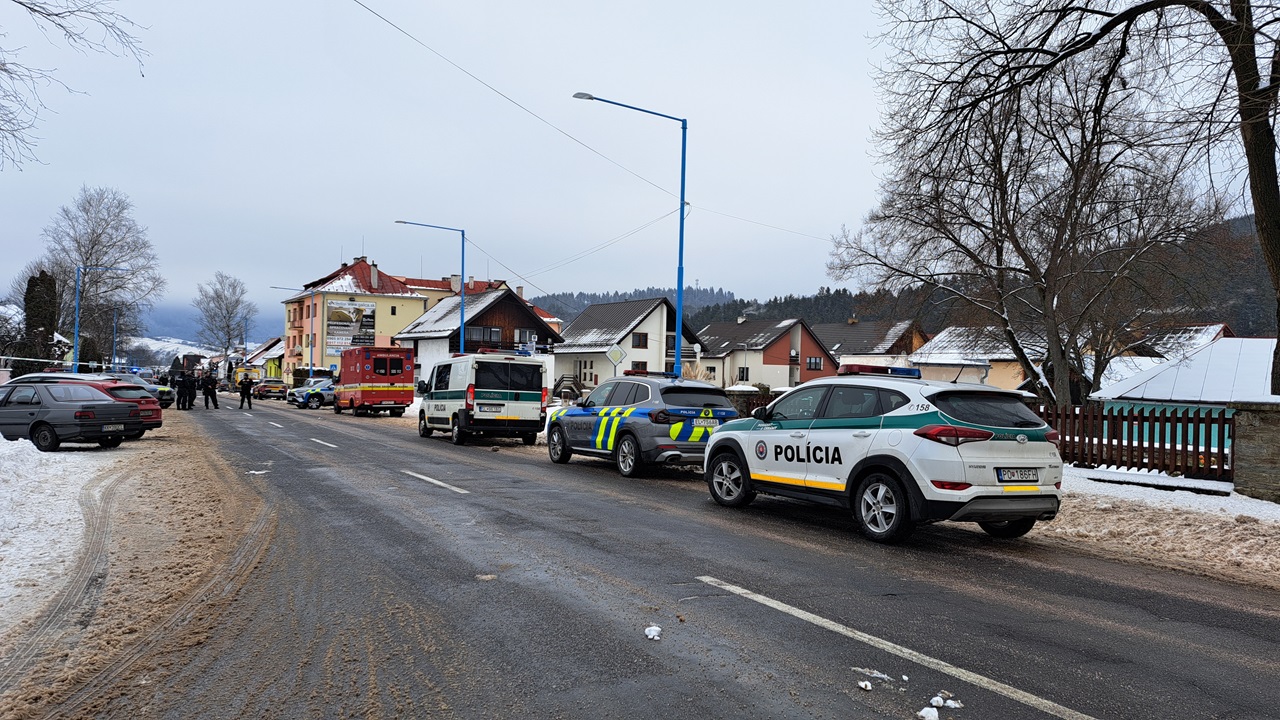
[[348, 324]]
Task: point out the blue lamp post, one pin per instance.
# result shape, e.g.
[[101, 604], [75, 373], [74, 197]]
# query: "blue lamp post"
[[311, 345], [75, 343], [684, 136], [462, 300]]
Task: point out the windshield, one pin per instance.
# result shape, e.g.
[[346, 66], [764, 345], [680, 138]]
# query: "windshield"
[[986, 408], [695, 397], [130, 393], [521, 377]]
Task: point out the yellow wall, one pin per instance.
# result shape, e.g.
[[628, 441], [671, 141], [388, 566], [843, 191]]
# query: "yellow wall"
[[386, 325]]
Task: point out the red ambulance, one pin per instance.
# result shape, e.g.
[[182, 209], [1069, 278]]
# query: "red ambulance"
[[374, 379]]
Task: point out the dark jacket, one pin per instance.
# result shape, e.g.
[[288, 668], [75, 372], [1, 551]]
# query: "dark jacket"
[[209, 384], [246, 385]]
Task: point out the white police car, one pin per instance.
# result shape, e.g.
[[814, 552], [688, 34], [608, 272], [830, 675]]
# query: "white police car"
[[896, 450]]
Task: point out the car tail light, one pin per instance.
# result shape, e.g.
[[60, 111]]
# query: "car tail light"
[[948, 485], [953, 435], [544, 400], [1053, 437], [660, 417], [471, 397], [85, 415], [135, 413]]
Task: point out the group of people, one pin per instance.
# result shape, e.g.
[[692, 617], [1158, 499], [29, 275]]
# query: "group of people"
[[185, 387]]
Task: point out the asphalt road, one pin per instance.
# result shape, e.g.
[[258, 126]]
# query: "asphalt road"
[[406, 577]]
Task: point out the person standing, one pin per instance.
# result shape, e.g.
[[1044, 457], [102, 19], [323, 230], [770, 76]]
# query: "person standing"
[[180, 388], [209, 384], [189, 387], [246, 390]]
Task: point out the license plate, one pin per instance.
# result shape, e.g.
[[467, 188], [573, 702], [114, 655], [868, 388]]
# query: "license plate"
[[388, 402], [705, 422], [490, 408], [112, 428], [148, 413], [1017, 475]]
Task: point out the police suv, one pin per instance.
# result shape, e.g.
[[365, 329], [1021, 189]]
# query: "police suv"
[[896, 450]]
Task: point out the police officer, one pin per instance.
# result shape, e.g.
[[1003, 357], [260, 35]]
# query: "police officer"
[[209, 384], [246, 388], [189, 388]]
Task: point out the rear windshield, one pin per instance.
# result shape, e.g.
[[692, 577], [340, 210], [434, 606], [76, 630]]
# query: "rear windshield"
[[520, 377], [77, 393], [695, 397], [982, 408], [132, 393]]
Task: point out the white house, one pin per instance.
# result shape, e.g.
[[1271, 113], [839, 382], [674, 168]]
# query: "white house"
[[643, 330]]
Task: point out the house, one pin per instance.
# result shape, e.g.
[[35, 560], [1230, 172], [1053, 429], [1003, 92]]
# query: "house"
[[496, 319], [354, 305], [642, 330], [777, 353], [1229, 369], [437, 290], [872, 342], [267, 358], [975, 354]]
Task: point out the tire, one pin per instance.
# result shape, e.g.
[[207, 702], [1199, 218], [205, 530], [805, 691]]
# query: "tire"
[[424, 430], [337, 409], [558, 445], [314, 402], [729, 481], [627, 457], [881, 509], [396, 413], [1008, 529], [45, 438], [110, 443], [135, 435], [529, 439], [456, 435]]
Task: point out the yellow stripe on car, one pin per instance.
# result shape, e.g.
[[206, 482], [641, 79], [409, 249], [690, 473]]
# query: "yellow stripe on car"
[[1021, 488]]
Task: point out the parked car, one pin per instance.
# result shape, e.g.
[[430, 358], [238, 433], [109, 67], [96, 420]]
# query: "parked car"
[[50, 414], [270, 388], [490, 394], [149, 407], [163, 393], [897, 451], [315, 393], [638, 419]]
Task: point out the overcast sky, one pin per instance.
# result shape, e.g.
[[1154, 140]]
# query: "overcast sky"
[[274, 140]]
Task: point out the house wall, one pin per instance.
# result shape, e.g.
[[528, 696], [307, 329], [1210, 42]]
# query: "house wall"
[[1005, 374], [949, 373], [386, 325], [1255, 452]]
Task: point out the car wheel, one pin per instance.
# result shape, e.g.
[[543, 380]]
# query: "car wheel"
[[558, 445], [44, 438], [165, 405], [1008, 529], [627, 456], [396, 413], [456, 435], [881, 509], [110, 442], [135, 435], [529, 439], [728, 480], [314, 402], [423, 429], [337, 409]]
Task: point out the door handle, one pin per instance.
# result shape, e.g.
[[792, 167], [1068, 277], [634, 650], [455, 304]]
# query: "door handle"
[[797, 434], [861, 433]]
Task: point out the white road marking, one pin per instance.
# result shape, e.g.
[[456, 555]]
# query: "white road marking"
[[276, 424], [972, 678], [433, 481], [323, 443]]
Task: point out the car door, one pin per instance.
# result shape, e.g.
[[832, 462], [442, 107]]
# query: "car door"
[[842, 435], [580, 421], [778, 445], [18, 410]]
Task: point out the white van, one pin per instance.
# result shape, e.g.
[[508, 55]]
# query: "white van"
[[487, 393]]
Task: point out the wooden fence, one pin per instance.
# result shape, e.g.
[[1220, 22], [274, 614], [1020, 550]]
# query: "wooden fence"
[[1195, 443]]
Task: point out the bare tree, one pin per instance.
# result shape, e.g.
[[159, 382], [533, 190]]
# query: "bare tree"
[[84, 25], [225, 311], [1208, 72], [1042, 212]]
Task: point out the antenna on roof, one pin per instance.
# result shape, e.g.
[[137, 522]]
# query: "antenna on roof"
[[956, 379]]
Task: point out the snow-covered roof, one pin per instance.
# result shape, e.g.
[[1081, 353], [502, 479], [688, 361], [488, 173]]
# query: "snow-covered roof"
[[1124, 367], [958, 345], [1226, 370], [1179, 341], [359, 278], [861, 337], [721, 338], [442, 320], [603, 324]]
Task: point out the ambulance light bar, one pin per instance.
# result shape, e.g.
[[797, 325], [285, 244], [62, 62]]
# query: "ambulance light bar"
[[854, 369], [646, 373]]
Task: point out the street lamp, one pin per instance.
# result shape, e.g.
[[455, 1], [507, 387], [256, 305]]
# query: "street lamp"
[[75, 344], [462, 300], [311, 358], [684, 136]]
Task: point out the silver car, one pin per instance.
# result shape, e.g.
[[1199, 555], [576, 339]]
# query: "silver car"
[[316, 393], [640, 419], [51, 414]]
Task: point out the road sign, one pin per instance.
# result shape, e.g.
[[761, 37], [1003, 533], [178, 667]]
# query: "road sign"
[[615, 354]]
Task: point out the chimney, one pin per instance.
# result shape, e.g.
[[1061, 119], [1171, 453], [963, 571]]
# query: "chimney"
[[853, 320], [520, 291], [742, 319], [373, 275], [471, 282]]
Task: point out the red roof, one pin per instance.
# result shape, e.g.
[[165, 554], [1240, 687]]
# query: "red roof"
[[443, 284], [361, 274]]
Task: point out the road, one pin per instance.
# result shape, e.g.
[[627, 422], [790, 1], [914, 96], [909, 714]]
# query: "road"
[[388, 575]]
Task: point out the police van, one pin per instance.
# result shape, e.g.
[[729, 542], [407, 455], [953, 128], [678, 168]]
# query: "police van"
[[489, 393], [897, 451]]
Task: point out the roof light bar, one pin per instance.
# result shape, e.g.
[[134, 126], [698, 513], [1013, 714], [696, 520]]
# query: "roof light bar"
[[856, 369], [646, 373]]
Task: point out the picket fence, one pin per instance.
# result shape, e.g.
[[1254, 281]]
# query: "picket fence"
[[1195, 443]]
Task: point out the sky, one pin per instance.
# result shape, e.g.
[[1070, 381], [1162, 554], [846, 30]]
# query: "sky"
[[272, 141]]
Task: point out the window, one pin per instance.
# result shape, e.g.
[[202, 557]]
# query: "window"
[[598, 396], [526, 335], [396, 366], [625, 393], [640, 365], [799, 404], [521, 377], [442, 378], [671, 344], [744, 374], [393, 309], [482, 334], [695, 397], [852, 402], [987, 408], [639, 340], [891, 400], [813, 363], [379, 366], [711, 373], [24, 396]]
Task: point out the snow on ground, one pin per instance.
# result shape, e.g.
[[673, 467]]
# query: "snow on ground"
[[41, 525]]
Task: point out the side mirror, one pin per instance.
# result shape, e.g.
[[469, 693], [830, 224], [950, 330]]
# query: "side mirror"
[[761, 413], [422, 387]]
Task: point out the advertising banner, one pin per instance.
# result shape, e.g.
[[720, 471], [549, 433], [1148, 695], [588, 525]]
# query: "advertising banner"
[[348, 324]]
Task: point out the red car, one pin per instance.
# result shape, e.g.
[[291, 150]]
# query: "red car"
[[148, 405]]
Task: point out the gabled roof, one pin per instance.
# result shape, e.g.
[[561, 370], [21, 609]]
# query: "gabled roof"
[[355, 279], [261, 352], [602, 325], [958, 345], [721, 338], [443, 321], [1177, 342], [864, 337], [1226, 370], [445, 284]]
